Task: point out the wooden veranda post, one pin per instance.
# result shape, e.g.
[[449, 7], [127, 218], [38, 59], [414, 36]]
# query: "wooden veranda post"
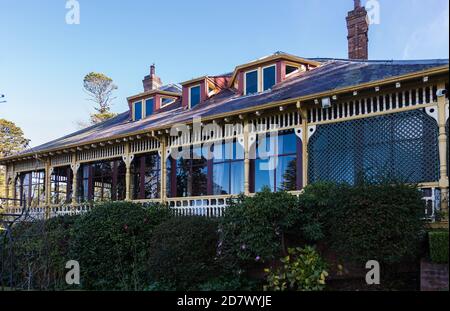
[[443, 181]]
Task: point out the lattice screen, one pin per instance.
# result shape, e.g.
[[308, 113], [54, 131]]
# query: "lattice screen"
[[402, 146]]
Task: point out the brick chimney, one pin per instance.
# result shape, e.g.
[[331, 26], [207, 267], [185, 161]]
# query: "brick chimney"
[[152, 81], [358, 28]]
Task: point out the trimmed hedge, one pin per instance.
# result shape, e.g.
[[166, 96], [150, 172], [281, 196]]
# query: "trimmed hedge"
[[438, 246], [253, 230], [40, 251], [111, 243], [366, 222], [182, 253]]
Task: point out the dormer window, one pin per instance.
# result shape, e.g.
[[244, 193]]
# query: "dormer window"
[[194, 96], [149, 106], [137, 111], [166, 101], [291, 69], [260, 80]]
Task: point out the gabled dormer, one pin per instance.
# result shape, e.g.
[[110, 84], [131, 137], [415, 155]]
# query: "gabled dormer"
[[198, 90], [154, 97], [263, 74]]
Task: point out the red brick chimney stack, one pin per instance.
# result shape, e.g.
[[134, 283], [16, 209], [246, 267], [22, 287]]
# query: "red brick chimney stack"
[[152, 81], [358, 29]]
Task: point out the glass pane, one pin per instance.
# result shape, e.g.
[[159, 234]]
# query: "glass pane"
[[138, 111], [287, 143], [237, 177], [251, 82], [194, 96], [269, 77], [221, 179], [149, 107], [287, 173], [264, 175], [290, 69]]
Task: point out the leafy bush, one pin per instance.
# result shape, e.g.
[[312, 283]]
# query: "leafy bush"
[[303, 270], [40, 252], [367, 221], [438, 246], [253, 229], [182, 252], [111, 243]]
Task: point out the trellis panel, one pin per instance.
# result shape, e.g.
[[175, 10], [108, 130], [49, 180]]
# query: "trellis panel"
[[403, 146]]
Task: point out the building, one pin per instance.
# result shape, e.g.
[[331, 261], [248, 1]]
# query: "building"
[[333, 120]]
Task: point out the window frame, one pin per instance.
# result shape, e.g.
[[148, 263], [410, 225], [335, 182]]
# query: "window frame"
[[161, 105], [258, 81], [134, 110], [262, 77], [144, 108], [190, 95], [295, 71]]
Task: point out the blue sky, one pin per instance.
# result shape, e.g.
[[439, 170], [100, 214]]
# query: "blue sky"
[[43, 60]]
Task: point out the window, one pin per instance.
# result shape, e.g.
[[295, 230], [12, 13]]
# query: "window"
[[165, 101], [102, 181], [291, 69], [149, 107], [189, 177], [137, 111], [228, 170], [61, 185], [146, 172], [269, 77], [280, 170], [251, 82], [30, 188], [194, 96]]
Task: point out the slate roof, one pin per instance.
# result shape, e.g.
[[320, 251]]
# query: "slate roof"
[[332, 75]]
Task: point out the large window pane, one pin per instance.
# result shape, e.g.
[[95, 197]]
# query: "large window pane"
[[269, 77], [251, 82], [286, 173], [237, 177], [149, 107], [194, 96], [221, 179], [137, 111]]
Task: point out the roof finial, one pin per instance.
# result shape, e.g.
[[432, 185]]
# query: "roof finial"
[[357, 3]]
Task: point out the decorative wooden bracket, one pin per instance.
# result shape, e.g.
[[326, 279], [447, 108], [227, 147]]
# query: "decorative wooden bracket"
[[128, 159]]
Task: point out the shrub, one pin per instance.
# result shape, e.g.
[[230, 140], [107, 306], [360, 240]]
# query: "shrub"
[[253, 229], [182, 252], [39, 254], [111, 244], [302, 270], [377, 222], [438, 246]]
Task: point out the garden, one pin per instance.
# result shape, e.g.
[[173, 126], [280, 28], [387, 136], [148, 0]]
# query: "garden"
[[320, 240]]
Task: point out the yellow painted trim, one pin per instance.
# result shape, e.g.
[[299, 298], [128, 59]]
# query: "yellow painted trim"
[[374, 114], [151, 93]]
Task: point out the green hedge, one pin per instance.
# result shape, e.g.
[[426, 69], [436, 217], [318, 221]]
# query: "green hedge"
[[438, 246], [112, 242], [182, 253], [366, 222]]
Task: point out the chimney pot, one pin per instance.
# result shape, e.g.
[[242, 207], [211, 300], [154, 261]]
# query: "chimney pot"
[[357, 3], [152, 81]]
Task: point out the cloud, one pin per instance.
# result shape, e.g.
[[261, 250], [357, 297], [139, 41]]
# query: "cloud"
[[431, 40]]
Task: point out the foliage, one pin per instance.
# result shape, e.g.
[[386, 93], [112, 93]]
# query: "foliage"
[[12, 140], [100, 89], [111, 244], [438, 241], [302, 270], [376, 221], [253, 229], [182, 252], [40, 251]]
